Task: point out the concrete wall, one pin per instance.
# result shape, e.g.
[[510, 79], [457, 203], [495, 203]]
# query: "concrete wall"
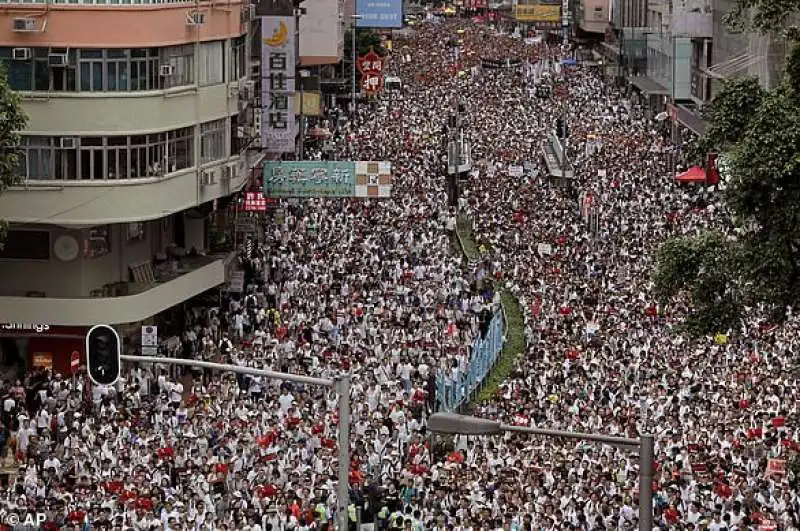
[[92, 203], [58, 279], [54, 114], [321, 33]]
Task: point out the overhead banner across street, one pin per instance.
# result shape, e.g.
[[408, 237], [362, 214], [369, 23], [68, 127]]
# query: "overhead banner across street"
[[328, 179]]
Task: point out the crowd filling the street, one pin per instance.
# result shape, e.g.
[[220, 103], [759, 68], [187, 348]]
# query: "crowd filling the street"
[[379, 289]]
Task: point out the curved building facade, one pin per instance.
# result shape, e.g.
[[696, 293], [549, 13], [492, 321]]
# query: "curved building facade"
[[139, 124]]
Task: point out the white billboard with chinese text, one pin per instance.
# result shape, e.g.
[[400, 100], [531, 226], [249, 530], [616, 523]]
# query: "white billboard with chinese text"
[[278, 60]]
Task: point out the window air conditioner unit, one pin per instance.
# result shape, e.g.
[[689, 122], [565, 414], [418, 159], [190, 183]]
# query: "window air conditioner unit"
[[25, 24], [195, 18], [166, 70], [21, 54], [68, 142], [58, 60]]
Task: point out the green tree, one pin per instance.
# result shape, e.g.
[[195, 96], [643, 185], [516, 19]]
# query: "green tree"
[[12, 121], [759, 132], [700, 269], [764, 16], [731, 111], [366, 40]]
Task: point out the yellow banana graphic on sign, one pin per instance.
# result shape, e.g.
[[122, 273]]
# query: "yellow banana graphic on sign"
[[279, 36]]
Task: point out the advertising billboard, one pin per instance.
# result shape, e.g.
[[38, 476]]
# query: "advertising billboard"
[[539, 14], [321, 33], [327, 179], [379, 13], [278, 60]]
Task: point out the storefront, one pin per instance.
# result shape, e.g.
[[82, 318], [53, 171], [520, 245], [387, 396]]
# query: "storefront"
[[26, 345]]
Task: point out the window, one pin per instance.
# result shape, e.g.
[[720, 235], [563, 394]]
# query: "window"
[[180, 145], [236, 143], [112, 157], [116, 70], [90, 66], [212, 141], [144, 73], [66, 162], [212, 64], [92, 167], [238, 63], [182, 60], [117, 157], [41, 69], [147, 155], [38, 164], [26, 245]]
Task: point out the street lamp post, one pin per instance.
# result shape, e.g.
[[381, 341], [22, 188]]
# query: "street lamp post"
[[354, 53], [303, 75], [341, 385], [465, 425]]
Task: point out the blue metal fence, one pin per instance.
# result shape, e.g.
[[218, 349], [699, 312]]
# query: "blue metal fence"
[[455, 386]]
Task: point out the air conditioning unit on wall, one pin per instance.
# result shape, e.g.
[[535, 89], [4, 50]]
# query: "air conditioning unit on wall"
[[195, 18], [58, 60], [24, 24], [68, 142], [21, 54]]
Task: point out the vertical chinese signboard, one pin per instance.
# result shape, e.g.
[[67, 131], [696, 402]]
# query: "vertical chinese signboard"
[[371, 68], [278, 59]]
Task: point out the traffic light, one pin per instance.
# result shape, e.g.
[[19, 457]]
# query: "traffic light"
[[103, 354]]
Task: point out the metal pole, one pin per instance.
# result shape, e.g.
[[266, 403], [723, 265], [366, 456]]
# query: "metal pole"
[[297, 62], [353, 66], [323, 382], [457, 141], [302, 121], [343, 492], [564, 155], [646, 452], [607, 439]]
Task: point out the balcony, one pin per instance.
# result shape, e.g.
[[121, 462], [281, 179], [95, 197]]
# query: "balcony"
[[111, 113], [153, 289], [90, 203]]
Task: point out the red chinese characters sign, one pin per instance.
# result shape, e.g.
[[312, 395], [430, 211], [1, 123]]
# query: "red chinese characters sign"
[[371, 67], [256, 202]]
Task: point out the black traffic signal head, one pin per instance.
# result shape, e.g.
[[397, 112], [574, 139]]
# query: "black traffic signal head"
[[103, 354]]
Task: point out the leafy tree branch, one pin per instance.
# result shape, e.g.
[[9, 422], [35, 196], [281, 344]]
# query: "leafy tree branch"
[[12, 121]]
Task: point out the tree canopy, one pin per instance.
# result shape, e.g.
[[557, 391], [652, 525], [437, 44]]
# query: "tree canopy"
[[12, 121], [366, 40], [764, 16], [759, 132]]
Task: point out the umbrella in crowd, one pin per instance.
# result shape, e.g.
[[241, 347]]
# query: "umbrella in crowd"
[[375, 288]]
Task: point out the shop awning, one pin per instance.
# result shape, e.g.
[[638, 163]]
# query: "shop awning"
[[648, 85], [695, 174]]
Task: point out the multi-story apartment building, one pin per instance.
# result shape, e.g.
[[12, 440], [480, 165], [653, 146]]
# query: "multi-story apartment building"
[[138, 129], [592, 16], [624, 50]]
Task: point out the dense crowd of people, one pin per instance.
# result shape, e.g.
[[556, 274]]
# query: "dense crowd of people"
[[375, 288]]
